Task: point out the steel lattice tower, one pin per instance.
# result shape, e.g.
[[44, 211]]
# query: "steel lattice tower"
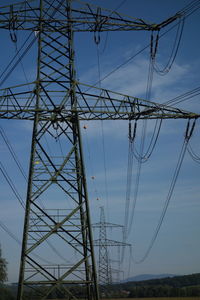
[[105, 275], [103, 243], [57, 207]]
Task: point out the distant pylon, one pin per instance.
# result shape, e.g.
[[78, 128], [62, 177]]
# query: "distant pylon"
[[105, 269], [104, 272]]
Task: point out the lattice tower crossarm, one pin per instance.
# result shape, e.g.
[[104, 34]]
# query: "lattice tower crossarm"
[[85, 17], [56, 103]]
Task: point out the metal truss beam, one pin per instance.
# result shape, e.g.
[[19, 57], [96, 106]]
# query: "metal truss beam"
[[84, 17], [98, 104]]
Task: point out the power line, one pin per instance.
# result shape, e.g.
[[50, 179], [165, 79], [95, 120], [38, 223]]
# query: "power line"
[[114, 10], [193, 155], [13, 236], [140, 155], [174, 52], [184, 97], [91, 164], [153, 50], [12, 152], [18, 60], [120, 5], [185, 12], [12, 60], [102, 135], [188, 134], [20, 57], [151, 146], [11, 184]]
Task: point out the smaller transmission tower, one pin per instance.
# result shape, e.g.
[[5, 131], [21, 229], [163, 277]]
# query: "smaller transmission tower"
[[105, 276], [105, 269]]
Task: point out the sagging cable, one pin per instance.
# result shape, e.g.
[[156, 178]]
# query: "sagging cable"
[[188, 135]]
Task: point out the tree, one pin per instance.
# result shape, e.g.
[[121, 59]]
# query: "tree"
[[3, 269]]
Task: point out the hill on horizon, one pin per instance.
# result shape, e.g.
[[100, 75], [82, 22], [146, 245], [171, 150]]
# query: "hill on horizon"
[[144, 277]]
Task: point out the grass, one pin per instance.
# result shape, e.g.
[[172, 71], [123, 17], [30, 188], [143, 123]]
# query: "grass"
[[157, 298], [162, 298]]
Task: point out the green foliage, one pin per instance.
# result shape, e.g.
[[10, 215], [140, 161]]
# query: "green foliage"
[[3, 270], [5, 294], [176, 281], [178, 286]]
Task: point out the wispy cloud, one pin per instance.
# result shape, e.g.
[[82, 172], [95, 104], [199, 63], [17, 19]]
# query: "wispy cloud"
[[131, 80]]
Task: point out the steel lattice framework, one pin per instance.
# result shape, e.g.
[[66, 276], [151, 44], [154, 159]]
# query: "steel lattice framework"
[[105, 270], [56, 103], [105, 274]]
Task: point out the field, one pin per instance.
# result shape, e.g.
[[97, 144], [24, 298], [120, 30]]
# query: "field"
[[157, 298], [163, 298]]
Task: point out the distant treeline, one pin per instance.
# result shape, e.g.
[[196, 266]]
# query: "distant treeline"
[[175, 281], [178, 286], [163, 291]]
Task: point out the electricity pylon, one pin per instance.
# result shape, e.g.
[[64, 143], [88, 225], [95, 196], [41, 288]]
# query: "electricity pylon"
[[104, 270], [103, 243], [56, 103]]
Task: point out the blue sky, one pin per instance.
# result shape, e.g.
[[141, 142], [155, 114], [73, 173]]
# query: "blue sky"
[[176, 249]]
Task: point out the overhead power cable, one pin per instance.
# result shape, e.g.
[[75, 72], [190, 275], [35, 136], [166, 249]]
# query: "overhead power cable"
[[193, 155], [128, 191], [141, 157], [13, 236], [129, 214], [2, 132], [12, 152], [11, 184], [188, 134], [190, 8], [174, 52], [152, 144], [7, 72], [19, 198], [20, 57], [102, 135], [183, 97], [91, 164], [13, 59], [119, 6], [106, 38], [185, 13]]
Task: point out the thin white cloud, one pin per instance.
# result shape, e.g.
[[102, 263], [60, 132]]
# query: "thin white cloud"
[[132, 80]]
